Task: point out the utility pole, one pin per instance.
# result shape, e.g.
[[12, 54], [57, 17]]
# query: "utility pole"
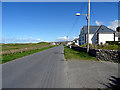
[[88, 26], [67, 38]]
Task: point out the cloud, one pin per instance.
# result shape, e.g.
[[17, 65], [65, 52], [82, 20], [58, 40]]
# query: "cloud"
[[62, 38], [21, 40], [65, 38], [114, 24], [72, 38], [98, 22]]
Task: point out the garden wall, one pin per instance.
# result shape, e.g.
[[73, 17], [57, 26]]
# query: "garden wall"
[[107, 55]]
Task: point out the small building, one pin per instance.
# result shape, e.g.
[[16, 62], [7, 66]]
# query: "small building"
[[76, 41], [53, 43], [69, 43], [97, 35]]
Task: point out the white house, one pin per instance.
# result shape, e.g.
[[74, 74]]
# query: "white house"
[[97, 35], [69, 43], [53, 43], [76, 41]]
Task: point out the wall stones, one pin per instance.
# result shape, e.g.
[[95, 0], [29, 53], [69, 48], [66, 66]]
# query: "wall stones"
[[107, 55]]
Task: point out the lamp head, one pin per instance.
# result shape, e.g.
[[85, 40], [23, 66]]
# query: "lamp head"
[[77, 14]]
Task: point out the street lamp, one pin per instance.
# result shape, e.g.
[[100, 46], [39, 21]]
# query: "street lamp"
[[78, 14], [88, 27]]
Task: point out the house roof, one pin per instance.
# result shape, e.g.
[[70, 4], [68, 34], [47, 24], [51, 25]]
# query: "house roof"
[[104, 29], [76, 39], [98, 29], [92, 29]]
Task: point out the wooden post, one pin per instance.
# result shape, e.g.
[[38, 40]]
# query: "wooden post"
[[88, 18]]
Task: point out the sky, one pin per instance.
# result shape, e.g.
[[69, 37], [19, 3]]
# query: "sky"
[[32, 22]]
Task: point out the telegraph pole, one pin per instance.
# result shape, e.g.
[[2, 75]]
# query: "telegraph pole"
[[88, 26], [67, 38]]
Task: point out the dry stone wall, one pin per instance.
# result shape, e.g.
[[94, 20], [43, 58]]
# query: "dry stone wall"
[[107, 55]]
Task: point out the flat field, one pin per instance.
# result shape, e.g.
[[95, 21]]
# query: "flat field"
[[14, 51]]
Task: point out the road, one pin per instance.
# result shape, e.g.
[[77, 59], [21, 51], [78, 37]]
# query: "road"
[[45, 69], [48, 69]]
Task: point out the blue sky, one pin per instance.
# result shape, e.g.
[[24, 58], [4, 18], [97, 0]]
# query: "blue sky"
[[24, 22]]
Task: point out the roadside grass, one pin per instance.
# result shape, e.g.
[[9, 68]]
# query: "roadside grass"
[[10, 57], [71, 54]]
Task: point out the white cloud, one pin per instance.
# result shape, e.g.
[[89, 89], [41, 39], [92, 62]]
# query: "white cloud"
[[114, 24], [65, 38], [72, 38], [62, 38], [21, 40], [98, 22]]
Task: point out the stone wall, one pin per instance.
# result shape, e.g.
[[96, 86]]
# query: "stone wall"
[[107, 55]]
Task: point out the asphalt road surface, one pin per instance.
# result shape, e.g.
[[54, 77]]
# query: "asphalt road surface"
[[45, 69], [48, 69]]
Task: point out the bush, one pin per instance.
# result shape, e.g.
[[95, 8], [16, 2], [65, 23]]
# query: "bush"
[[110, 47], [103, 46], [91, 45], [113, 42], [84, 45]]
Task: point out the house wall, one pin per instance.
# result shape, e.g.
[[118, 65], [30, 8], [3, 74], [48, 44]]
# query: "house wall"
[[105, 37], [69, 43], [77, 42], [116, 38], [90, 38], [81, 39], [95, 39], [53, 43]]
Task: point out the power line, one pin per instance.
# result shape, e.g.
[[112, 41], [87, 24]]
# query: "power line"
[[75, 22], [93, 12], [82, 8]]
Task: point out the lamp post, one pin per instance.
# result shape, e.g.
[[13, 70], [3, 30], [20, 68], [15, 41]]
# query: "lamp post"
[[88, 24]]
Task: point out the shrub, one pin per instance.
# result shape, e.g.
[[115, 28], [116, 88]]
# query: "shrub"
[[113, 42], [103, 46], [110, 47], [84, 45]]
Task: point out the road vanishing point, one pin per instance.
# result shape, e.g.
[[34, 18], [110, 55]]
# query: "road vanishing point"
[[49, 69]]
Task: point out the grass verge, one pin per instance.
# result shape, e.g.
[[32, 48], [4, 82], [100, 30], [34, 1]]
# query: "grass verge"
[[71, 54], [10, 57]]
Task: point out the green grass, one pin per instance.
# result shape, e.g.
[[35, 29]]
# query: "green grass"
[[71, 54], [10, 57], [14, 46]]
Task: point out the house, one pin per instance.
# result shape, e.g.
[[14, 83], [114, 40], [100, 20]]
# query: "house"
[[53, 43], [76, 41], [69, 42], [97, 35]]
